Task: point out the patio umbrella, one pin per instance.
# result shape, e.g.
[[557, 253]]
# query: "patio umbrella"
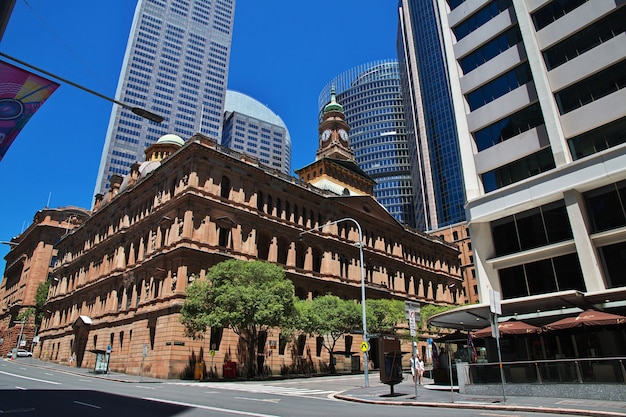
[[585, 319], [508, 327]]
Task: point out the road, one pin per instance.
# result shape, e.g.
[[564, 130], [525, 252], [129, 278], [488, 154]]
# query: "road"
[[31, 391]]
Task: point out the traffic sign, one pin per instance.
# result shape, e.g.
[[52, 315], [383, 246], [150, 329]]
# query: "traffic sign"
[[365, 347], [412, 322], [212, 352]]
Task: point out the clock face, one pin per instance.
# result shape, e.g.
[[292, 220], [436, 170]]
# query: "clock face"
[[343, 134], [325, 135]]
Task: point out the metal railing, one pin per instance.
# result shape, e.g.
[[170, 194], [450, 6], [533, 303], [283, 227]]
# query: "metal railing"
[[609, 370]]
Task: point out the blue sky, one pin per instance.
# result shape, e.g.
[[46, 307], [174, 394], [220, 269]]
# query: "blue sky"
[[284, 52]]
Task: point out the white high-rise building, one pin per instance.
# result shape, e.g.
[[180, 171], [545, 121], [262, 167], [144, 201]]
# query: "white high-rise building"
[[539, 89], [176, 66]]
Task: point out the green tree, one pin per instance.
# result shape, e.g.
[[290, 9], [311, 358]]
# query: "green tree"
[[328, 317], [429, 310], [40, 299], [248, 297], [383, 315]]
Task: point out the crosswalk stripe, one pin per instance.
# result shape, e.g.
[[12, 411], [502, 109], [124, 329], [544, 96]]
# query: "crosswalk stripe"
[[257, 388]]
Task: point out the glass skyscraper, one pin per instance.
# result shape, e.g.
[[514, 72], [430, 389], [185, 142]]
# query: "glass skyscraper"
[[251, 127], [372, 101], [176, 65], [431, 129]]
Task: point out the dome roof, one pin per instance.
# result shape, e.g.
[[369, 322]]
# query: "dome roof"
[[244, 104], [171, 138], [333, 105]]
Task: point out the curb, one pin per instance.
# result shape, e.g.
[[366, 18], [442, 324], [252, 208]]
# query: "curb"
[[477, 406]]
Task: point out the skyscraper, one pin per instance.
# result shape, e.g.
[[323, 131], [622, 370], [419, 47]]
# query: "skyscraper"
[[251, 127], [372, 101], [176, 65], [431, 130], [539, 92]]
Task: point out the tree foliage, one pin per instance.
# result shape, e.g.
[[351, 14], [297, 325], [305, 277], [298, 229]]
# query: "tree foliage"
[[248, 297], [429, 310], [328, 317], [383, 315], [41, 295]]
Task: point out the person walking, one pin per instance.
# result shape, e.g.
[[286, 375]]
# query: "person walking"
[[414, 363], [420, 369]]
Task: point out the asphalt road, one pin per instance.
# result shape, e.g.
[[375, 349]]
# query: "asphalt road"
[[29, 391]]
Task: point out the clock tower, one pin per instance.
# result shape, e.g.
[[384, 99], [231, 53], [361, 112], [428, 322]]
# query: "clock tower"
[[333, 132], [335, 168]]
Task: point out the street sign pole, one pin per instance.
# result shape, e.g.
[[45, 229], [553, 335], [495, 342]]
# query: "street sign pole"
[[413, 312], [496, 308]]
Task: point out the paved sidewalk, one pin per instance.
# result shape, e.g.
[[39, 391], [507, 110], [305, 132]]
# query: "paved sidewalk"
[[429, 395]]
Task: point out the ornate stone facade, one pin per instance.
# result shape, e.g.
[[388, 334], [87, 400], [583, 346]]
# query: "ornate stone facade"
[[122, 275], [27, 266]]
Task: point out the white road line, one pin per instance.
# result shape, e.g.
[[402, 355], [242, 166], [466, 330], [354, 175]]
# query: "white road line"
[[32, 379], [263, 389], [262, 400], [87, 404], [205, 407]]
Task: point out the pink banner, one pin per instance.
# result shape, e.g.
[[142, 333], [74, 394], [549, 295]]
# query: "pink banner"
[[21, 94]]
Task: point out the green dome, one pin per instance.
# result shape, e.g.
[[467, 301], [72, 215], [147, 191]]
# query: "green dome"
[[333, 105]]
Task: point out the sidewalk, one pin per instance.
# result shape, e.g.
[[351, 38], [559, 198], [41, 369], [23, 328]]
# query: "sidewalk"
[[429, 395]]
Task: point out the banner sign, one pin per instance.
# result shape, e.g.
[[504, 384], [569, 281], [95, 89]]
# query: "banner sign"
[[21, 94]]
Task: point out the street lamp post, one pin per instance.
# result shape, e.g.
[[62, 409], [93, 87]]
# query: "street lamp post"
[[136, 110], [363, 312]]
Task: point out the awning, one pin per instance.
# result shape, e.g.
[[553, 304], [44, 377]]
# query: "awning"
[[82, 321]]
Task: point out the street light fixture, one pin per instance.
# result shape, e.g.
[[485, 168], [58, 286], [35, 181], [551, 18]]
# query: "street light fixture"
[[136, 110], [360, 245]]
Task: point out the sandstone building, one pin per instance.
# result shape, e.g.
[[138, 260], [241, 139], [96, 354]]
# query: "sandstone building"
[[119, 280], [27, 266]]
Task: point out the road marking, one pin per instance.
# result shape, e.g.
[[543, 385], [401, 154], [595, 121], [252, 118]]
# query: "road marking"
[[261, 389], [17, 410], [87, 404], [32, 379], [206, 407], [262, 400], [46, 373], [141, 386], [22, 388]]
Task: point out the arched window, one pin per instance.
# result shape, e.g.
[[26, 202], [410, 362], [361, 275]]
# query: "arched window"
[[287, 211], [283, 250], [263, 245], [317, 259], [225, 187], [259, 201], [224, 237], [300, 254]]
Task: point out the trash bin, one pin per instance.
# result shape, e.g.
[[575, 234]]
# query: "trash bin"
[[230, 369], [198, 373]]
